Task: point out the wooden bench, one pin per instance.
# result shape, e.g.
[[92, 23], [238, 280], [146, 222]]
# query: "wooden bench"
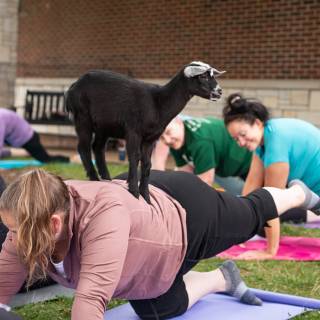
[[46, 107]]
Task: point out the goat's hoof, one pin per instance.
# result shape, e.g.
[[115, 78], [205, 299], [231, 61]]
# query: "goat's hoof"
[[103, 179], [135, 193], [146, 196], [94, 178]]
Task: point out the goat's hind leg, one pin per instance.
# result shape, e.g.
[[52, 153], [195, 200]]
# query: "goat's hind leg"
[[146, 151], [133, 142], [84, 148], [98, 147]]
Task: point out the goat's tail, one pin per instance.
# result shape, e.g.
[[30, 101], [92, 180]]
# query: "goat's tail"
[[73, 100]]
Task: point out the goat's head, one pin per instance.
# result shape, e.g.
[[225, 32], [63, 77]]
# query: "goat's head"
[[202, 80]]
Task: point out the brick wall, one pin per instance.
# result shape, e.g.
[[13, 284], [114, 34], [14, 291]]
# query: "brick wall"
[[8, 40], [251, 39]]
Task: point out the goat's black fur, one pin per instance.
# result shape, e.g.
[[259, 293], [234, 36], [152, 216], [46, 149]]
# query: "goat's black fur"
[[109, 104]]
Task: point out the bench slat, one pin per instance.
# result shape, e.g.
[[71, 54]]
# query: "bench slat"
[[46, 107]]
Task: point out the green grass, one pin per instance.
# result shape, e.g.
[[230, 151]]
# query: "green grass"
[[298, 278]]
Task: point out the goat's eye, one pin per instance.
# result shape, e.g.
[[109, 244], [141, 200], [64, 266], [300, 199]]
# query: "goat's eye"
[[203, 76]]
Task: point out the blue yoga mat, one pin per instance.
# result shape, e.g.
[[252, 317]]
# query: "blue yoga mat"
[[219, 306], [287, 299], [14, 164]]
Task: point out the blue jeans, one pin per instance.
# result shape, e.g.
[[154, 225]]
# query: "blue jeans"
[[233, 185]]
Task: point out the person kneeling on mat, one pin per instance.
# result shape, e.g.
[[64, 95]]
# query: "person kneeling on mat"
[[96, 237], [17, 133]]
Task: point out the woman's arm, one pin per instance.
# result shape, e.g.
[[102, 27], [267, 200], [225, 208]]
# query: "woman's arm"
[[273, 239], [207, 177], [159, 156], [272, 236], [276, 175], [185, 168], [255, 178], [12, 273]]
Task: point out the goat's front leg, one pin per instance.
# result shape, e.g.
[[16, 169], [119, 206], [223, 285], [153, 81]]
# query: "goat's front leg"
[[146, 151], [84, 149], [133, 150], [98, 148]]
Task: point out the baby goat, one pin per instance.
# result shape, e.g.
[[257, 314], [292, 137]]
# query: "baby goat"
[[108, 104]]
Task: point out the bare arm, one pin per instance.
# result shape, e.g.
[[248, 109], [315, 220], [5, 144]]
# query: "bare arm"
[[276, 175], [207, 177], [159, 156], [273, 239], [185, 168], [18, 152], [272, 236], [255, 178]]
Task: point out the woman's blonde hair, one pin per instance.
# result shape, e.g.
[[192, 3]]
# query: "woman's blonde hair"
[[31, 200]]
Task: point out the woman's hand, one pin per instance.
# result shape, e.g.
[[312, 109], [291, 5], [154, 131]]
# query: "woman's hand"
[[255, 255]]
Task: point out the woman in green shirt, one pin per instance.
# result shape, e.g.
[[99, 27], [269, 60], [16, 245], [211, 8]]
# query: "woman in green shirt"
[[204, 147]]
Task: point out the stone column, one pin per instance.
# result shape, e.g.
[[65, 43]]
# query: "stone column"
[[8, 50]]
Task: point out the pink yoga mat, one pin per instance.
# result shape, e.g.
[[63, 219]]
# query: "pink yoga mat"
[[291, 248]]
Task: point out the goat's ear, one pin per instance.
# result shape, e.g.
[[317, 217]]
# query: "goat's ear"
[[216, 73], [192, 71]]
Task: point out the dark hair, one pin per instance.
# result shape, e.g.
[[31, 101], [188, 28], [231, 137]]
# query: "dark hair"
[[239, 108]]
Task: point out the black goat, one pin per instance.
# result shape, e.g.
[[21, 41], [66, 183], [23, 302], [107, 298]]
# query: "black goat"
[[109, 104]]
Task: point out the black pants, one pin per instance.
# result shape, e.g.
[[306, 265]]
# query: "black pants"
[[3, 229], [295, 215], [37, 151], [215, 222]]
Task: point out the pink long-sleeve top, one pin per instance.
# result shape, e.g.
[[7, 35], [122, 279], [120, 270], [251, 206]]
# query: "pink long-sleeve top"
[[119, 247]]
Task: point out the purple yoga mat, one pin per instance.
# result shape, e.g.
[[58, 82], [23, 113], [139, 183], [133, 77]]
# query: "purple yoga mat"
[[219, 306], [268, 296], [310, 225]]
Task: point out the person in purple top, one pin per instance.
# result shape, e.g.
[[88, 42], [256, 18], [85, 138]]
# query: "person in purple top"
[[16, 132]]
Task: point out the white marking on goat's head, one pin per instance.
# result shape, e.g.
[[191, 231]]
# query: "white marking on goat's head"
[[203, 81], [197, 68]]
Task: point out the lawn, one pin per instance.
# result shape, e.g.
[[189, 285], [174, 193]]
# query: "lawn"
[[299, 278]]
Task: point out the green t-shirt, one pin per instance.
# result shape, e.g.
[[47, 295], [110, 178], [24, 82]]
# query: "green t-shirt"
[[209, 145]]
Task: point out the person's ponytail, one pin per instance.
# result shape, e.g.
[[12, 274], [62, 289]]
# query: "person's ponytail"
[[31, 200], [239, 108]]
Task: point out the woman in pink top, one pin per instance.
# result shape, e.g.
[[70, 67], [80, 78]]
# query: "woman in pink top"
[[97, 238]]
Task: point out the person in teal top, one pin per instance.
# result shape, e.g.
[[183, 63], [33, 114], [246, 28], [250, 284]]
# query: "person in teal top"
[[296, 143], [204, 146], [285, 149]]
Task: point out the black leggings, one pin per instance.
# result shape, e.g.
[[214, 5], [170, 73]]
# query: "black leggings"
[[215, 222], [37, 151], [295, 215], [3, 229]]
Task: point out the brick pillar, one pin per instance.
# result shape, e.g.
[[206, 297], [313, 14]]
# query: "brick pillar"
[[8, 50]]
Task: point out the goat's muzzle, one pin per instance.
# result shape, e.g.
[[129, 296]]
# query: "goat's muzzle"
[[216, 93]]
